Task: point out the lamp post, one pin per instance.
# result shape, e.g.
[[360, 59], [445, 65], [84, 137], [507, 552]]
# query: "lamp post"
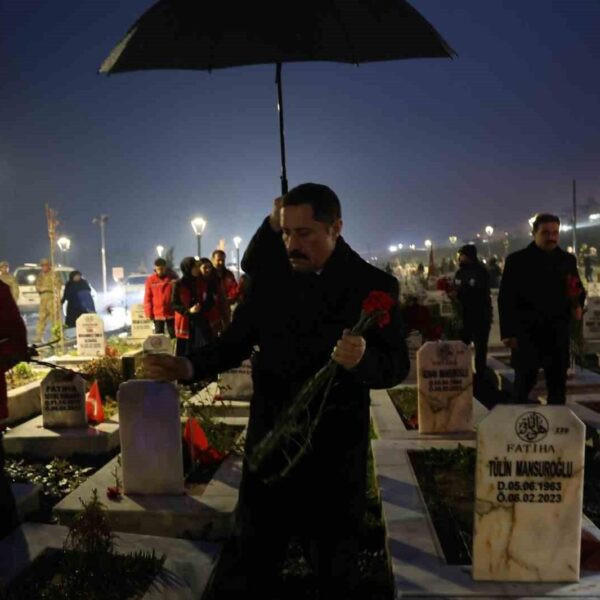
[[237, 240], [453, 239], [160, 250], [427, 244], [198, 225], [101, 220], [393, 249], [489, 231], [63, 243]]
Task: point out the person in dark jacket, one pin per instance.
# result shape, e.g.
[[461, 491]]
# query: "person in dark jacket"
[[218, 313], [473, 293], [191, 303], [13, 349], [539, 294], [306, 292], [78, 296], [495, 273]]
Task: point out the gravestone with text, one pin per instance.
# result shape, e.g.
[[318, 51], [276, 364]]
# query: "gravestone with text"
[[158, 344], [90, 335], [150, 433], [591, 319], [141, 326], [528, 494], [593, 289], [63, 400], [444, 387]]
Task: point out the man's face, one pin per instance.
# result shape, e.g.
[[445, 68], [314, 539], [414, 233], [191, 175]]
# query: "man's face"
[[218, 260], [160, 270], [3, 269], [45, 268], [463, 259], [546, 236], [309, 243]]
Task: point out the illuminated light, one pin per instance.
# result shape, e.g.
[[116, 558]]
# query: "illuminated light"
[[595, 217], [393, 248], [427, 243], [489, 231]]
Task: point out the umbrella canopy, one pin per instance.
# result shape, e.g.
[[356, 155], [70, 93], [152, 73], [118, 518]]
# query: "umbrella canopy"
[[201, 35]]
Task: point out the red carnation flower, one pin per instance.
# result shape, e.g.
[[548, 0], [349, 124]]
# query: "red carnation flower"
[[378, 301], [113, 492]]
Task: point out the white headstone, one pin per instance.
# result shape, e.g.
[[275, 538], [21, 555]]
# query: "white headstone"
[[141, 326], [90, 335], [63, 400], [150, 432], [445, 387], [495, 338], [591, 319], [158, 344], [528, 494], [414, 341], [236, 384]]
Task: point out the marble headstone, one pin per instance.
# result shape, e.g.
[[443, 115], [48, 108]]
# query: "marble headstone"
[[414, 341], [63, 400], [141, 326], [150, 433], [90, 335], [593, 289], [591, 319], [158, 344], [495, 338], [445, 387], [528, 494]]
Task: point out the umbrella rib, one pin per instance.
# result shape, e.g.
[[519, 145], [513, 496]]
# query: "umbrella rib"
[[338, 17]]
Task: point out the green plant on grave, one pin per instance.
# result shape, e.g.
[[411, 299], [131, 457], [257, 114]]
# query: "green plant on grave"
[[20, 374], [107, 371], [56, 331]]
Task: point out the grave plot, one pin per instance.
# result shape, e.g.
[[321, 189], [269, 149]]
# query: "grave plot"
[[23, 385], [430, 541], [174, 477]]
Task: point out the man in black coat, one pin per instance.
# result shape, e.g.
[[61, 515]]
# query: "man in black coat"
[[306, 292], [539, 294], [473, 293]]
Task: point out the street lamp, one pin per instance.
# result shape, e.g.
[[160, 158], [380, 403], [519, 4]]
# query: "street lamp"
[[237, 240], [198, 225], [393, 249], [160, 250], [63, 243], [412, 246], [427, 243], [453, 239], [489, 231], [101, 220], [400, 246]]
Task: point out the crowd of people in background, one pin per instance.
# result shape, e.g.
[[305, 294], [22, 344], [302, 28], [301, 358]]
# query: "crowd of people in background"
[[195, 308]]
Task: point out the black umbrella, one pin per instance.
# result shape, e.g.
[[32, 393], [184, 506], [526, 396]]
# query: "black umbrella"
[[196, 34]]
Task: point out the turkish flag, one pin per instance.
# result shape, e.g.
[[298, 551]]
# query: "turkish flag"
[[195, 438], [93, 404]]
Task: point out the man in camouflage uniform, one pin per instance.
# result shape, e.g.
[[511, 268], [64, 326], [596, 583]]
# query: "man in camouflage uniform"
[[9, 279], [43, 285]]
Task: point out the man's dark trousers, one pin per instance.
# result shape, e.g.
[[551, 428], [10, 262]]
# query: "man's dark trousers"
[[478, 334], [547, 348]]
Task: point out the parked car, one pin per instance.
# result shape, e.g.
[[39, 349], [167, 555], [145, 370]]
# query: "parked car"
[[26, 276], [135, 285]]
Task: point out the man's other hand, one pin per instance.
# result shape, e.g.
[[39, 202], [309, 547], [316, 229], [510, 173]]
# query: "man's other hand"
[[275, 216], [163, 367], [578, 313], [349, 350], [510, 343]]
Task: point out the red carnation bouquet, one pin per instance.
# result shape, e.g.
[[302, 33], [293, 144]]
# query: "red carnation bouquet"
[[281, 449], [574, 290]]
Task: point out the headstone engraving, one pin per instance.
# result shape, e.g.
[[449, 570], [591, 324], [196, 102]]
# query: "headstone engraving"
[[150, 433], [158, 344], [90, 335], [63, 400], [591, 319], [593, 289], [528, 494], [445, 387], [141, 326]]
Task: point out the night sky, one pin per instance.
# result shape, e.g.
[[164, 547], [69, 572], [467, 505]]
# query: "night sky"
[[415, 149]]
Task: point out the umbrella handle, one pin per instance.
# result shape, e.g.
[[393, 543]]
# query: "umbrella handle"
[[284, 181]]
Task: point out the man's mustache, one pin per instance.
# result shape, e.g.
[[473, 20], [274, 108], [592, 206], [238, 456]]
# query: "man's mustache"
[[297, 254]]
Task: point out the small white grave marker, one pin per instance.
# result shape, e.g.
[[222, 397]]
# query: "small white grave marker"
[[141, 326], [591, 319], [445, 387], [90, 335], [158, 344]]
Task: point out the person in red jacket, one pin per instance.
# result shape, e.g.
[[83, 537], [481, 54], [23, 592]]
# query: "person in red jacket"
[[227, 280], [13, 349], [157, 298]]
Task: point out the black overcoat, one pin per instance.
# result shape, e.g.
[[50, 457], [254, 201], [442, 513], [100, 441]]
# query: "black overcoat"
[[533, 299], [295, 320]]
